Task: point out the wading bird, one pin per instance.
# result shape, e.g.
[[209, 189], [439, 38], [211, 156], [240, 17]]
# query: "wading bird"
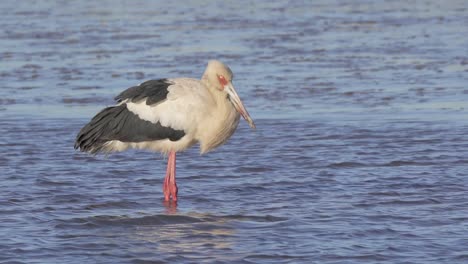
[[168, 115]]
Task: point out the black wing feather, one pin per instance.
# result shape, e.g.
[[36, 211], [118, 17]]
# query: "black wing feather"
[[154, 90], [119, 123]]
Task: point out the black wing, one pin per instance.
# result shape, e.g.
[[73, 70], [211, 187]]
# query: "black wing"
[[154, 90], [119, 123]]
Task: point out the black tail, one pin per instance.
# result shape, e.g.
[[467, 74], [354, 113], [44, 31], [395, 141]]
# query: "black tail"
[[93, 136]]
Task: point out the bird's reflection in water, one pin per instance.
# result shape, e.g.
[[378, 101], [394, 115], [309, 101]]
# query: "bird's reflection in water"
[[170, 207], [192, 233]]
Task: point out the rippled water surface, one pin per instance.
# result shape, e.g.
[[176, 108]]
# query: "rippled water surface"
[[360, 153]]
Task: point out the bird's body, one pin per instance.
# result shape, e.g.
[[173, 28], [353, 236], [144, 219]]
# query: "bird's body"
[[168, 115]]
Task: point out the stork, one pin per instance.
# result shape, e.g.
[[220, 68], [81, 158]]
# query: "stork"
[[168, 116]]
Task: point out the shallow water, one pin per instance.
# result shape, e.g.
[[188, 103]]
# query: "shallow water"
[[360, 153]]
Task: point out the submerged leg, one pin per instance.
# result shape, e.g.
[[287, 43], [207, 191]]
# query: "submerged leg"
[[170, 186]]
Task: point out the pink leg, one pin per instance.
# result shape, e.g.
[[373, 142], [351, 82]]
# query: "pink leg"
[[170, 186]]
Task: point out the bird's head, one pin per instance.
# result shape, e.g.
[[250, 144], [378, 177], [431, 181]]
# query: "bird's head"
[[220, 77]]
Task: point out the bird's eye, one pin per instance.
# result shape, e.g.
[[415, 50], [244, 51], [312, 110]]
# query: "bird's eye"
[[222, 81]]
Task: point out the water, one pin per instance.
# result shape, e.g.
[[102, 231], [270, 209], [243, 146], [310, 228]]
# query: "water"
[[360, 153]]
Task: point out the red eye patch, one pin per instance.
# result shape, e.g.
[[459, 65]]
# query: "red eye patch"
[[222, 80]]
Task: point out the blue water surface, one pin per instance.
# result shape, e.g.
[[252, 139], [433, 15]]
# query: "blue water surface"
[[360, 153]]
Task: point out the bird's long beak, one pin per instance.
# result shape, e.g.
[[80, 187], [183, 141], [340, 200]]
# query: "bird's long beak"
[[236, 101]]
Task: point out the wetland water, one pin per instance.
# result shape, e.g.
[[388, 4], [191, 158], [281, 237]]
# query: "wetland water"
[[360, 153]]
